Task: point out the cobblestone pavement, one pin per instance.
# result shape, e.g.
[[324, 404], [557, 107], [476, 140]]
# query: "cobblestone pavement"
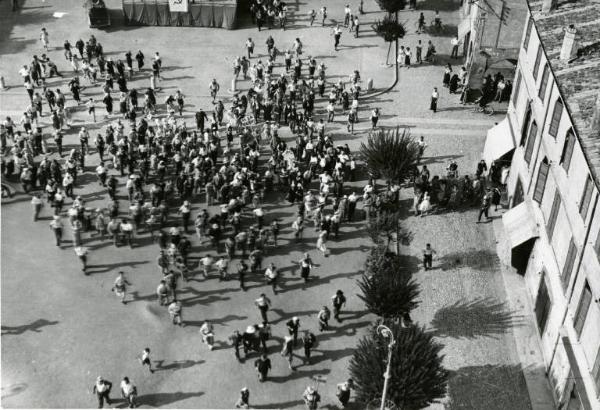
[[70, 328]]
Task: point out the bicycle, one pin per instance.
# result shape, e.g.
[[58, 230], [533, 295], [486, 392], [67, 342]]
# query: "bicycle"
[[486, 109]]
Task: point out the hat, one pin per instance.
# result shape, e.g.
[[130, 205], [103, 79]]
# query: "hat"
[[99, 379], [310, 390], [250, 329], [295, 318], [56, 217], [244, 389]]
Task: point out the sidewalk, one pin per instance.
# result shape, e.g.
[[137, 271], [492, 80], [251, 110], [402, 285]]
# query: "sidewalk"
[[526, 335]]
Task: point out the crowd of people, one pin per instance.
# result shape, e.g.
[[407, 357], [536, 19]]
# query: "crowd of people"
[[231, 157]]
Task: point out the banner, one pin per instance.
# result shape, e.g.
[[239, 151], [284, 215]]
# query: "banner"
[[178, 5]]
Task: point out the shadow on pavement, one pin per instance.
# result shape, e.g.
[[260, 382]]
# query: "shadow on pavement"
[[481, 259], [163, 399], [33, 327], [490, 387], [471, 319], [176, 365]]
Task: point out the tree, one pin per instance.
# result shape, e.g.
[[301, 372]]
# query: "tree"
[[390, 30], [388, 289], [391, 6], [390, 154], [386, 228], [417, 375]]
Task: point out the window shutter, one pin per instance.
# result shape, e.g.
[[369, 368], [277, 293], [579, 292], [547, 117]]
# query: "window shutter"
[[569, 263], [597, 245], [583, 308], [530, 142], [556, 115], [568, 150], [586, 198], [540, 184], [538, 59], [542, 305], [527, 33], [517, 88], [544, 82], [553, 215]]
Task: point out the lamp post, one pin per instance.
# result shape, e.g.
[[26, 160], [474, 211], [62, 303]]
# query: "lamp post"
[[387, 333]]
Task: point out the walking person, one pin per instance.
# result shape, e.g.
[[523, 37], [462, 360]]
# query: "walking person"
[[343, 391], [129, 392], [208, 335], [102, 391], [287, 350], [250, 47], [486, 201], [57, 227], [306, 265], [120, 287], [308, 342], [263, 303], [337, 34], [434, 100], [311, 398], [243, 401], [175, 312], [81, 252], [272, 274], [242, 269], [292, 326], [323, 317], [262, 366], [428, 253], [338, 301], [145, 359], [44, 38], [374, 118]]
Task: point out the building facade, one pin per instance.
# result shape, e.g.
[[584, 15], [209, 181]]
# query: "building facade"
[[490, 32], [553, 125]]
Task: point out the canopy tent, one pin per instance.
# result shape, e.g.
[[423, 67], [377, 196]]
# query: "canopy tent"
[[499, 141], [522, 231], [204, 13]]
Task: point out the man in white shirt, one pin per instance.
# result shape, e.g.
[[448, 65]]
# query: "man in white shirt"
[[347, 14], [454, 42]]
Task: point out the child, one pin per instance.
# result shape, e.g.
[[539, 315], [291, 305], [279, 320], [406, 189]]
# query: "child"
[[81, 252], [145, 359]]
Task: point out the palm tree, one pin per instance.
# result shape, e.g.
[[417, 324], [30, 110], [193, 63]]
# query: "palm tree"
[[388, 290], [417, 375], [391, 6], [390, 154]]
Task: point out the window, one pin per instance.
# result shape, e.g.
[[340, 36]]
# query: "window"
[[519, 195], [538, 60], [544, 82], [530, 142], [540, 184], [565, 158], [583, 308], [596, 372], [556, 115], [527, 33], [586, 198], [526, 122], [515, 95], [543, 304], [553, 215], [569, 263]]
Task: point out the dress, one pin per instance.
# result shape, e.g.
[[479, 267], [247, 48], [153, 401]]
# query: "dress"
[[434, 98], [446, 80], [425, 205]]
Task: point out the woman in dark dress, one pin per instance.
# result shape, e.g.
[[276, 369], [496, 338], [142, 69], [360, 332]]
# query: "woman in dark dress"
[[454, 83], [447, 73]]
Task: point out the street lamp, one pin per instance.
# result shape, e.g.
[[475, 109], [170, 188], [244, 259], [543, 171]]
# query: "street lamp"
[[387, 333]]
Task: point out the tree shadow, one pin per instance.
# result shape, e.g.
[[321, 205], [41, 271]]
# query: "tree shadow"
[[176, 365], [490, 387], [34, 326], [471, 319], [438, 159], [447, 30], [283, 405], [220, 321], [477, 259], [163, 399], [438, 5], [298, 374]]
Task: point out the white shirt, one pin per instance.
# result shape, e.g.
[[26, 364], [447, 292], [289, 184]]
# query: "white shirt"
[[127, 387]]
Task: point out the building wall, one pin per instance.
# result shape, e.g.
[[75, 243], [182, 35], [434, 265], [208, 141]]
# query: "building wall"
[[549, 255]]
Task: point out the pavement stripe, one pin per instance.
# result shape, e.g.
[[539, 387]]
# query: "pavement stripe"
[[409, 121]]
